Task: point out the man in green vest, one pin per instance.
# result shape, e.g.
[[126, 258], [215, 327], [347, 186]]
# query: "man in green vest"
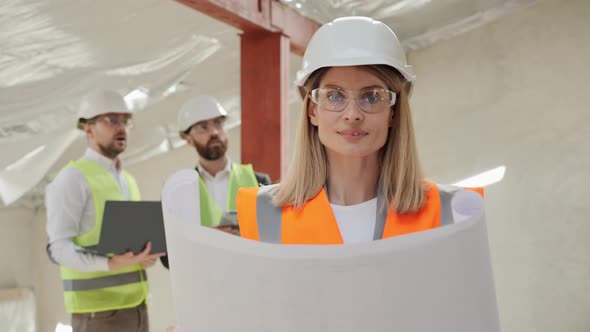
[[102, 293], [201, 123]]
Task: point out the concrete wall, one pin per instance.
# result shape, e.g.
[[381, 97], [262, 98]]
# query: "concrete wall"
[[515, 93]]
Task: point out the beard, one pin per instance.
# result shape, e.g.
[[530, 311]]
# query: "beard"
[[210, 151], [113, 149]]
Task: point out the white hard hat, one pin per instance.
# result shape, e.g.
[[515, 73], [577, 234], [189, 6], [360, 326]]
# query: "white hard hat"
[[197, 109], [101, 102], [353, 41]]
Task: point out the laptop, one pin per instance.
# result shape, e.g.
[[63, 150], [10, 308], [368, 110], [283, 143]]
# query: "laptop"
[[129, 225]]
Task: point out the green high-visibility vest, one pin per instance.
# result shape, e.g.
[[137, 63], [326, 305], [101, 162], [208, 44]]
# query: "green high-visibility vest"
[[240, 176], [104, 290]]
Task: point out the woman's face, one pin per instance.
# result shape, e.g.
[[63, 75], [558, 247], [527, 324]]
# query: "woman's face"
[[351, 132]]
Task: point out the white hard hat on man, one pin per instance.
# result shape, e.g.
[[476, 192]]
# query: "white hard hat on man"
[[196, 109], [100, 102], [353, 41]]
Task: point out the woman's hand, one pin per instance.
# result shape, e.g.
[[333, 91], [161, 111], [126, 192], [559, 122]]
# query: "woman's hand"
[[227, 229]]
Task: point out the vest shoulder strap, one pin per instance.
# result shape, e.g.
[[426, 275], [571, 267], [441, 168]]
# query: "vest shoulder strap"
[[268, 215]]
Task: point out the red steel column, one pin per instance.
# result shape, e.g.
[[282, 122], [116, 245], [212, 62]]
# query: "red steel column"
[[264, 87]]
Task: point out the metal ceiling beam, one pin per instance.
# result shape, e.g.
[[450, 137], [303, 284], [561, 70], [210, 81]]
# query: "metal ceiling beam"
[[260, 15]]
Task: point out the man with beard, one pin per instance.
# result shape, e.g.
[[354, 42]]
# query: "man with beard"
[[102, 293], [201, 123]]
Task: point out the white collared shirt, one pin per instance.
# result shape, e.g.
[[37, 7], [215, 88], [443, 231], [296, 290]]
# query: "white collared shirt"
[[71, 212], [217, 185]]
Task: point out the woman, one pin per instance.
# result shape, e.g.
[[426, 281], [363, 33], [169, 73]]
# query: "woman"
[[355, 174]]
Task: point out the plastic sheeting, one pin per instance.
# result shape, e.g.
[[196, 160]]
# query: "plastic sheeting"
[[53, 53], [326, 11], [418, 23], [17, 310]]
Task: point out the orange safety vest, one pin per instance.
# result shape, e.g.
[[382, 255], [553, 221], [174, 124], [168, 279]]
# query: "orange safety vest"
[[315, 223]]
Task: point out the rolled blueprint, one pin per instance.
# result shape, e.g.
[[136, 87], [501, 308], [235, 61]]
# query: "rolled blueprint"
[[438, 280]]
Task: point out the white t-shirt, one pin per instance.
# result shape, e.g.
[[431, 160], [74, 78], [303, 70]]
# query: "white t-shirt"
[[356, 222]]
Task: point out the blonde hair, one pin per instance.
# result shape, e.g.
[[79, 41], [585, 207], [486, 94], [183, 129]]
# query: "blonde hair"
[[401, 177]]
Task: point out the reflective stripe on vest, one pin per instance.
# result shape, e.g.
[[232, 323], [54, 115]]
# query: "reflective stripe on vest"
[[240, 176], [104, 282], [102, 290], [436, 212]]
